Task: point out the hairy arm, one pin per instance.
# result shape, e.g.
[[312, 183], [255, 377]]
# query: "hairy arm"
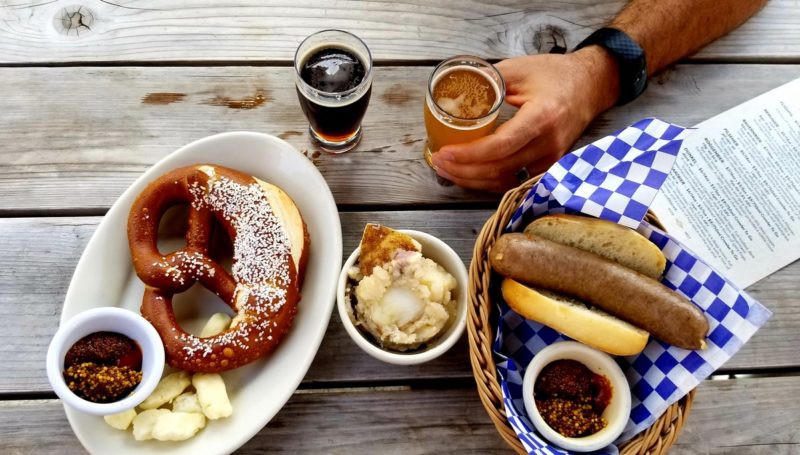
[[668, 30], [559, 95]]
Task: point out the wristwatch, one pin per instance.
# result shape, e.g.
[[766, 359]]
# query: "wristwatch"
[[629, 57]]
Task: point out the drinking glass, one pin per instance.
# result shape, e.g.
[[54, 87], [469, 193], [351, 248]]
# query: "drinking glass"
[[471, 114], [333, 79]]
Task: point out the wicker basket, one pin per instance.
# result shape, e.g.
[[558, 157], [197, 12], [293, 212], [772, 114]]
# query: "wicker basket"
[[655, 440]]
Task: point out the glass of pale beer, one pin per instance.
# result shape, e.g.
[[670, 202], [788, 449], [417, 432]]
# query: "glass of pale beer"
[[462, 102]]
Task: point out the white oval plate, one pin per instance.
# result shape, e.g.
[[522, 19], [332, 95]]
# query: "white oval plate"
[[105, 277]]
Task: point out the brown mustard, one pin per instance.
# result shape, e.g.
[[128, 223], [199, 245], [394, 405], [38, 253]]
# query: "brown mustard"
[[571, 398], [103, 367], [101, 383]]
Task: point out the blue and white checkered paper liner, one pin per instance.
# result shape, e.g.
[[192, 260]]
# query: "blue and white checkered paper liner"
[[616, 178]]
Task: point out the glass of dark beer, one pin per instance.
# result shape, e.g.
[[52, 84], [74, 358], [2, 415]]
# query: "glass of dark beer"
[[333, 78]]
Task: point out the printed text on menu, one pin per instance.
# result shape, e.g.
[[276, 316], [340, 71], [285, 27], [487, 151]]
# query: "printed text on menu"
[[734, 194]]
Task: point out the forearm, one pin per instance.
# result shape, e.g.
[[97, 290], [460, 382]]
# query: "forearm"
[[669, 30]]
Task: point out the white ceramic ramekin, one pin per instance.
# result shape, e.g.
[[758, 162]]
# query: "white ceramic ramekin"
[[106, 319], [617, 412], [442, 254]]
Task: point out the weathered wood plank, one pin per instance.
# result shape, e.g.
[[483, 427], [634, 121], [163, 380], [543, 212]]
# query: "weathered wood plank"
[[342, 422], [74, 138], [745, 416], [742, 416], [247, 30], [44, 252], [120, 121]]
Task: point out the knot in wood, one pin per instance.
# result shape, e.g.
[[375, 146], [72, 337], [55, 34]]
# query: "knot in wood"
[[74, 20], [550, 39]]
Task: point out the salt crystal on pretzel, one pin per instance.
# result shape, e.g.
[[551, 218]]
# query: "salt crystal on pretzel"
[[270, 250]]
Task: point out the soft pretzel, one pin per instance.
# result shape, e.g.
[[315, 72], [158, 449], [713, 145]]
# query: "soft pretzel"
[[270, 245]]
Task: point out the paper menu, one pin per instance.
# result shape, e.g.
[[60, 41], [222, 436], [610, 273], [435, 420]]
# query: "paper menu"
[[733, 195]]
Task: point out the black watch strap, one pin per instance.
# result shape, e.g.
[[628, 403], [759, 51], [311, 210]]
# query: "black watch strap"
[[630, 59]]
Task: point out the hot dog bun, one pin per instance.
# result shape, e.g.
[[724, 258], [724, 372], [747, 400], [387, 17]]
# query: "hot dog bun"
[[625, 293], [592, 327], [603, 238]]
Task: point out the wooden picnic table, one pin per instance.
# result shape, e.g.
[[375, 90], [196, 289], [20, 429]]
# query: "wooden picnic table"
[[94, 92]]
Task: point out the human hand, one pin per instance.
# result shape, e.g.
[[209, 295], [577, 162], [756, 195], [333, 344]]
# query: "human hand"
[[557, 95]]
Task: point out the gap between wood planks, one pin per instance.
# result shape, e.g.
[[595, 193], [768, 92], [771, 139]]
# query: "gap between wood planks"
[[406, 385], [204, 63], [773, 60], [320, 387], [355, 208]]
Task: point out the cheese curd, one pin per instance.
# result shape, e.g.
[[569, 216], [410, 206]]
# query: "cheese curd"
[[405, 302]]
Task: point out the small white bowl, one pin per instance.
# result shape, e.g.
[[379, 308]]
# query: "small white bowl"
[[617, 412], [106, 319], [442, 254]]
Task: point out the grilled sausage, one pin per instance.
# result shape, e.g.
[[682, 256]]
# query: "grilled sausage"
[[629, 295]]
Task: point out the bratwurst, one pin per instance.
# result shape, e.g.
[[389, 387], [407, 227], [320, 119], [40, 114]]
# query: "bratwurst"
[[627, 294]]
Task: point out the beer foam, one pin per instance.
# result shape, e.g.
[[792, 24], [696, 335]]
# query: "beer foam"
[[332, 99], [450, 105], [333, 70], [465, 92]]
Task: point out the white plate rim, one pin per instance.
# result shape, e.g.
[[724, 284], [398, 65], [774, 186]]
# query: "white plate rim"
[[125, 200]]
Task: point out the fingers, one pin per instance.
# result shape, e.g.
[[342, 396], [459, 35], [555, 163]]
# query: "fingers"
[[500, 175], [492, 169], [491, 185], [513, 70], [503, 182], [511, 136], [515, 100]]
